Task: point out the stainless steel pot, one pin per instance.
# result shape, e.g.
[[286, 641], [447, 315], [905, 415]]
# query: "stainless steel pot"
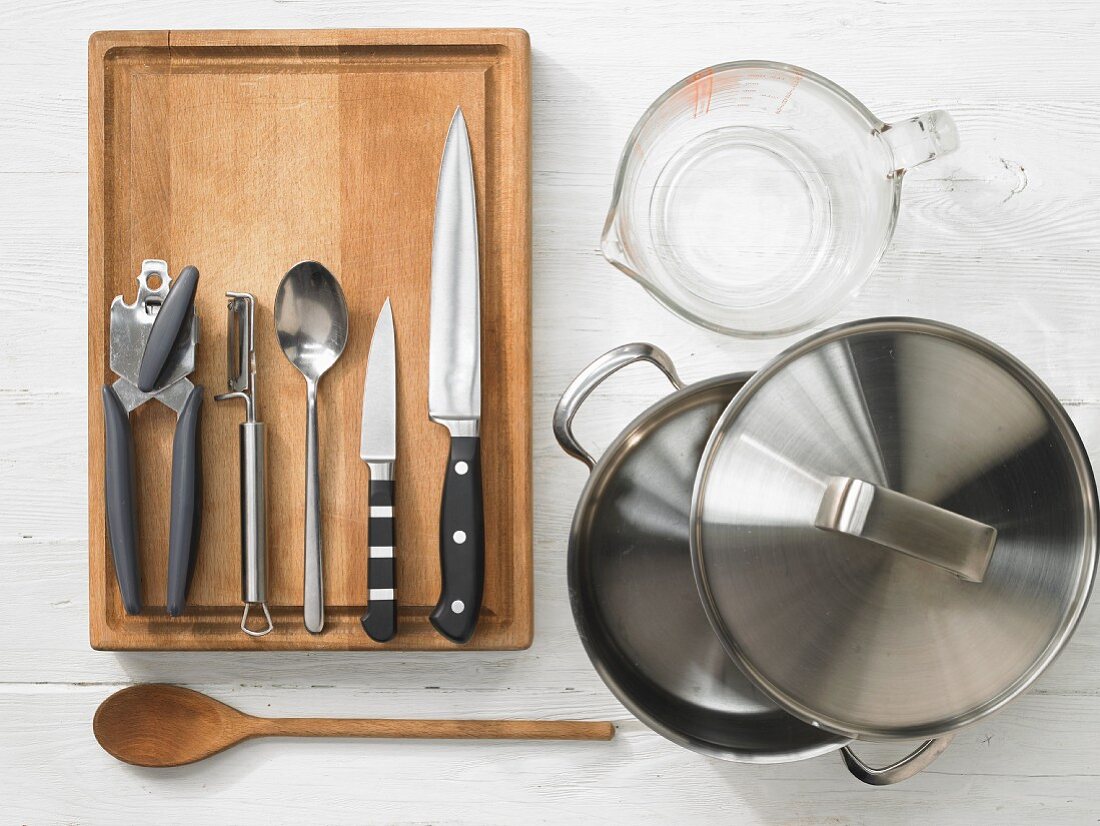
[[634, 597]]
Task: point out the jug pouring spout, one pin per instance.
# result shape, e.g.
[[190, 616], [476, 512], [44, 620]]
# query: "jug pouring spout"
[[613, 245]]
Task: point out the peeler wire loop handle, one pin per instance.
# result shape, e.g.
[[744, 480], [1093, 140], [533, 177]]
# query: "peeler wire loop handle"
[[269, 625]]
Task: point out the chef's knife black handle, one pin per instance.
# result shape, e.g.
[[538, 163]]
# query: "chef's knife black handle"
[[461, 542], [380, 619], [173, 320], [121, 506], [183, 532]]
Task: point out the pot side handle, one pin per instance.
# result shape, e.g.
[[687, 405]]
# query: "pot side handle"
[[910, 765], [592, 377]]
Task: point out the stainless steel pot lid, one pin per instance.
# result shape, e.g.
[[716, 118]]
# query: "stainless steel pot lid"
[[894, 528]]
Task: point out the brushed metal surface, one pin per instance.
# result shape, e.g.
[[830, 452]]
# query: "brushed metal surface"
[[454, 356], [378, 433], [635, 602], [861, 639], [253, 443]]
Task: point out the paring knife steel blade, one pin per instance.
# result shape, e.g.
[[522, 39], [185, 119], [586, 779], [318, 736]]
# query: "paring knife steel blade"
[[454, 388], [378, 448]]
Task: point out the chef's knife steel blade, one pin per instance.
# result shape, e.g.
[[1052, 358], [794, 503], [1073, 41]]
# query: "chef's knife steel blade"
[[454, 367], [454, 389]]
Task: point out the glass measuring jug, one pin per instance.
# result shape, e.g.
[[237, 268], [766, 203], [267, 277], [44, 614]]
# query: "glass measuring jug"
[[754, 198]]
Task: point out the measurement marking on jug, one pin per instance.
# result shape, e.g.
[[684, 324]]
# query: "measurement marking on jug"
[[702, 88], [786, 97]]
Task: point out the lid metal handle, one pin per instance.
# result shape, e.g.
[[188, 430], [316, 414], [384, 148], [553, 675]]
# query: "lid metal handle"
[[926, 532]]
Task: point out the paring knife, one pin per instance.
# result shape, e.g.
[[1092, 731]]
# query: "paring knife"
[[454, 385], [378, 448]]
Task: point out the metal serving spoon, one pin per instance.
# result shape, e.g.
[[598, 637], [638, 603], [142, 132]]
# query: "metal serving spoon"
[[166, 725], [311, 320]]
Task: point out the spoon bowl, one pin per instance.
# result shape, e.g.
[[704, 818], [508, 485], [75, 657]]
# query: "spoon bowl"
[[166, 725], [311, 318]]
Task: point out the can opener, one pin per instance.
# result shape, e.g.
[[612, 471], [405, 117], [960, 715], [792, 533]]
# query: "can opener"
[[152, 351]]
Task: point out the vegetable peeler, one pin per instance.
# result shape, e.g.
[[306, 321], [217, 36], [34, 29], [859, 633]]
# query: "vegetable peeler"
[[241, 369], [153, 345]]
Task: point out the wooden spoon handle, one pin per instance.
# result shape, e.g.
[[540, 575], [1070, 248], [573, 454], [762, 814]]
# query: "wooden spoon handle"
[[435, 729]]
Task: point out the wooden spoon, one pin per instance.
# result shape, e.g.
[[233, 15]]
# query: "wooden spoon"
[[166, 725]]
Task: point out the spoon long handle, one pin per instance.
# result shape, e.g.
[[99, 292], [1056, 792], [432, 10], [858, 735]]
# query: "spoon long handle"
[[313, 595], [435, 729]]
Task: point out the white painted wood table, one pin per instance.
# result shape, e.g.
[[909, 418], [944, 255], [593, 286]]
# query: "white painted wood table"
[[1002, 237]]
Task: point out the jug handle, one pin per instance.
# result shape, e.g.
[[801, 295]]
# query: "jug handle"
[[912, 764], [920, 139], [592, 377]]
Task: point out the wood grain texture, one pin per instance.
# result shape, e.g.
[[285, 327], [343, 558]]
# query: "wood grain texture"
[[1000, 238], [243, 152]]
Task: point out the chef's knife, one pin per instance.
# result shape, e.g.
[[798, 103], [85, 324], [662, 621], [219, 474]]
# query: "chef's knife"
[[378, 448], [454, 385]]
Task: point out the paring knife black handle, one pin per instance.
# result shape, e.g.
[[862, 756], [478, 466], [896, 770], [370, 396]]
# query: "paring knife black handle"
[[461, 542], [380, 619], [121, 506], [173, 320], [183, 532]]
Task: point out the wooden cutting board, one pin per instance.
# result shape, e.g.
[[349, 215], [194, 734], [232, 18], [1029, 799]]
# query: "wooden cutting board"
[[244, 152]]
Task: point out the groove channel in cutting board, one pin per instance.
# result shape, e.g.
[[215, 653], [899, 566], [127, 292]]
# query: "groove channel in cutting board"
[[243, 153]]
